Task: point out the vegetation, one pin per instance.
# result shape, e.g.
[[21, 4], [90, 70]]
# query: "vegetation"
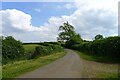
[[98, 69], [67, 32], [19, 67], [14, 50], [29, 50], [0, 57], [11, 49], [46, 50], [105, 59], [29, 56], [19, 58], [74, 40], [0, 50], [106, 48], [68, 35], [100, 49]]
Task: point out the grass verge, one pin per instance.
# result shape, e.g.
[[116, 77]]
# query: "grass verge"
[[99, 58], [20, 67], [96, 67]]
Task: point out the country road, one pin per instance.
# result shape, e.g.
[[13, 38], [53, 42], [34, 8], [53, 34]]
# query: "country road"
[[71, 66]]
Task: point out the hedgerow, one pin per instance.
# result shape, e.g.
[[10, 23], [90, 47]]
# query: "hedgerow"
[[46, 50], [108, 47]]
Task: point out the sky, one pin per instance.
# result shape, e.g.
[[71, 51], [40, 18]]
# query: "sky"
[[39, 21]]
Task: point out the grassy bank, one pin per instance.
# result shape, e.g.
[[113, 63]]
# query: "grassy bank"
[[99, 58], [21, 67], [96, 67]]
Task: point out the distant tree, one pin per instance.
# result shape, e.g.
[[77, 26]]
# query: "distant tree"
[[98, 37], [68, 35], [67, 32]]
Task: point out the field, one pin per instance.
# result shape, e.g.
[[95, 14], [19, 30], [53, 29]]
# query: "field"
[[30, 47], [29, 50]]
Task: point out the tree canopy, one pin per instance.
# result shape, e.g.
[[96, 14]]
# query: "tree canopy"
[[67, 32], [68, 35]]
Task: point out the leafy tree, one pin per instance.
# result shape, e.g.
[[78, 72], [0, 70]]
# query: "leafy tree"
[[68, 35], [67, 32], [98, 37]]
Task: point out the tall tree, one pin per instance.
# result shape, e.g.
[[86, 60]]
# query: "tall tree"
[[68, 35], [67, 32]]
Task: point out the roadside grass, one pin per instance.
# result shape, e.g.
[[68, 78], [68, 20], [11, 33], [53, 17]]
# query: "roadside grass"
[[99, 58], [20, 67], [107, 75], [98, 67]]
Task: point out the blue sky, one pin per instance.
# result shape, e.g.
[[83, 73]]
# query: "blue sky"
[[39, 21], [40, 11]]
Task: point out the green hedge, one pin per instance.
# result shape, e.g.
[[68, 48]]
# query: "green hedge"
[[108, 46], [47, 49]]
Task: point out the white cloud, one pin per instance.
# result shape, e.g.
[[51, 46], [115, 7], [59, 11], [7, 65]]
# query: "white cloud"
[[18, 24], [93, 17], [17, 20], [90, 18], [111, 5]]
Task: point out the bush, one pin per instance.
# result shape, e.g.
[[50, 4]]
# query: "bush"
[[11, 48]]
